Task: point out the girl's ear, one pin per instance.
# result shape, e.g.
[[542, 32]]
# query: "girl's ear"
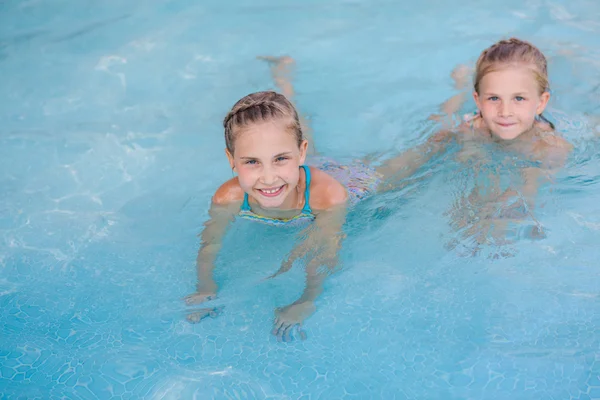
[[230, 158], [303, 151], [544, 98], [477, 100]]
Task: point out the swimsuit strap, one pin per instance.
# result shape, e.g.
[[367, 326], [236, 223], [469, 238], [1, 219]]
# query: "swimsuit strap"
[[245, 205], [306, 209], [476, 114]]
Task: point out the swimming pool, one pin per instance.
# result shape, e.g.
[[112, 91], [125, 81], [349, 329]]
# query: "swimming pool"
[[111, 146]]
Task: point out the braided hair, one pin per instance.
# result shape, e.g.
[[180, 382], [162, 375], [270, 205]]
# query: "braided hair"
[[260, 107]]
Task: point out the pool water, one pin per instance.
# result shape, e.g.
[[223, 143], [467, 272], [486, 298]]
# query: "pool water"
[[111, 147]]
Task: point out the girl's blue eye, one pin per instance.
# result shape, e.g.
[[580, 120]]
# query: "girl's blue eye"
[[278, 159], [251, 162], [519, 98], [493, 98]]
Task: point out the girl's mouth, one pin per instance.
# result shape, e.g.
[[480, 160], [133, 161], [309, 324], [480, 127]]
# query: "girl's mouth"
[[271, 192], [505, 125]]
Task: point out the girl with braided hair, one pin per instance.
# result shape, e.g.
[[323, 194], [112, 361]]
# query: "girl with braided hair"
[[267, 144], [511, 91]]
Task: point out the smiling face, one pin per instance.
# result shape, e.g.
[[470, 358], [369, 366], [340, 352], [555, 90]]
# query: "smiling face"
[[267, 159], [509, 100]]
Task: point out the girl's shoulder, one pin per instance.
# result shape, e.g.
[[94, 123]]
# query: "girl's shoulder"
[[550, 138], [229, 192], [555, 143], [325, 191]]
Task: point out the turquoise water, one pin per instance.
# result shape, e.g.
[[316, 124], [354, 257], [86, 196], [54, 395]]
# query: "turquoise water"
[[111, 147]]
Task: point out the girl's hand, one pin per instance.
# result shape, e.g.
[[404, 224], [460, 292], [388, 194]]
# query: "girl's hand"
[[290, 318], [199, 315]]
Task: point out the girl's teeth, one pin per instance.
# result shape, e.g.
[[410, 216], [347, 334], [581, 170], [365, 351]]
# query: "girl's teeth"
[[270, 191]]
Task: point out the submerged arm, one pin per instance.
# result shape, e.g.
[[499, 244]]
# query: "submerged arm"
[[321, 244], [210, 244], [553, 159]]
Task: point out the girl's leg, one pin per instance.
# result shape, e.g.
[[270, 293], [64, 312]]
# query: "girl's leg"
[[281, 69]]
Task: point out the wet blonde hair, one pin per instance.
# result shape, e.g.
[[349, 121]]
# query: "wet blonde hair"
[[260, 107], [513, 51], [510, 52]]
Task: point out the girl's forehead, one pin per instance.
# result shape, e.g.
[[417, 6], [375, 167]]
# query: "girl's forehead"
[[265, 138], [513, 76]]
